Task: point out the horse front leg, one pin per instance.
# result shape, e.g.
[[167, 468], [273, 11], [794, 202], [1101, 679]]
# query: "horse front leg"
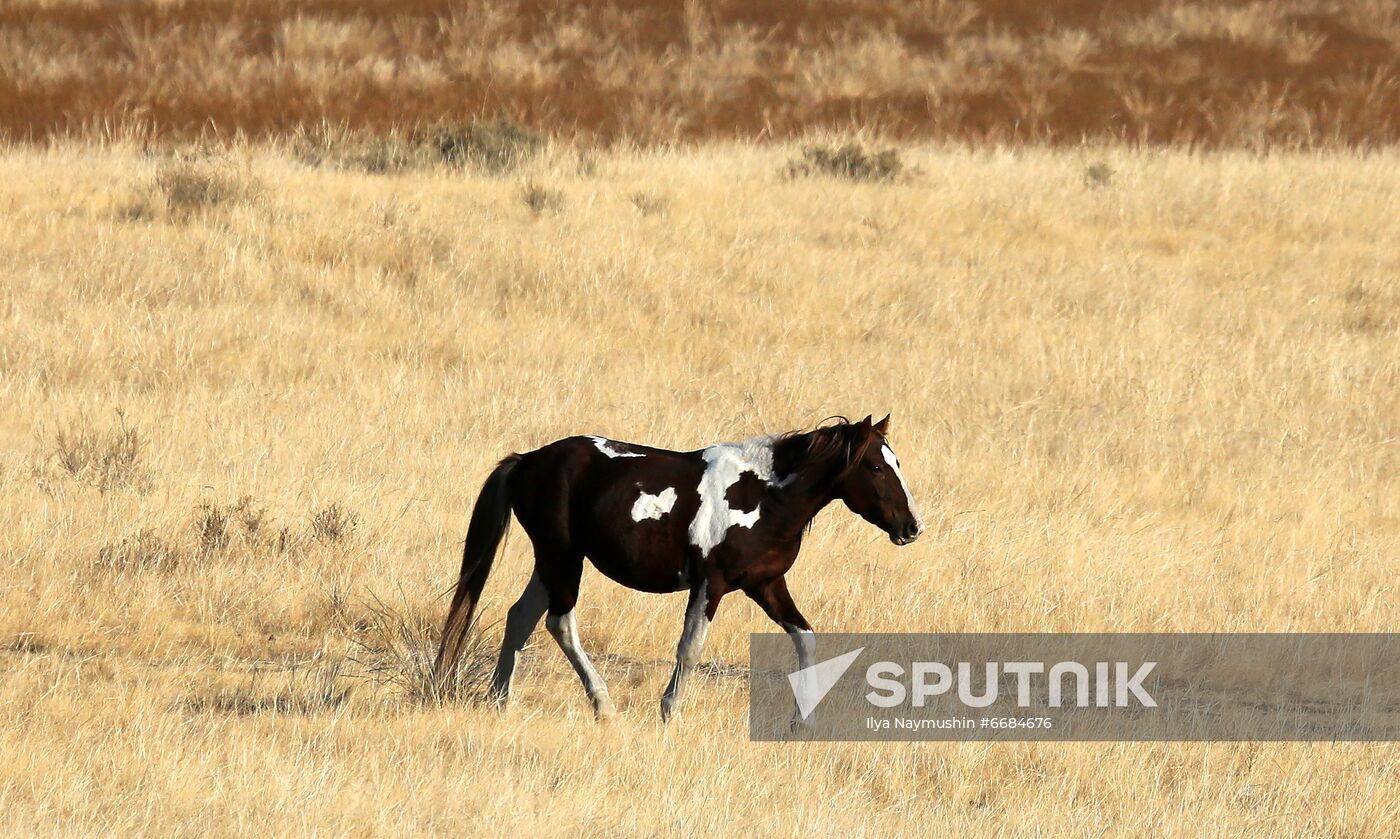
[[775, 600], [699, 612]]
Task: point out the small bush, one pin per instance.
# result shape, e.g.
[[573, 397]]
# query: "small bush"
[[1365, 311], [333, 524], [851, 161], [357, 150], [216, 523], [650, 203], [1098, 175], [493, 146], [108, 459], [192, 187], [541, 199]]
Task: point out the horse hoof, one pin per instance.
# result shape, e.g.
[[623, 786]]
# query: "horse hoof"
[[667, 709], [603, 710]]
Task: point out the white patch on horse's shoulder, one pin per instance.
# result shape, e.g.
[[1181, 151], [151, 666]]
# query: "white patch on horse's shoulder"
[[725, 464], [605, 446], [888, 454], [650, 506]]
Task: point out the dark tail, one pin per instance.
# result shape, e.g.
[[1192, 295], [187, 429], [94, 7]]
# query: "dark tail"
[[490, 518]]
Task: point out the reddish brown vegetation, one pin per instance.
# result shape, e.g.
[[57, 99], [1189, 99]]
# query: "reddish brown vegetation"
[[1295, 72]]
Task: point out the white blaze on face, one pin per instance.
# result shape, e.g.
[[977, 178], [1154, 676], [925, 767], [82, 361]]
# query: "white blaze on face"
[[604, 445], [889, 457], [654, 506], [725, 463]]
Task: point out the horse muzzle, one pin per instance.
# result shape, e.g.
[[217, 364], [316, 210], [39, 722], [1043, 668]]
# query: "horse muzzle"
[[907, 534]]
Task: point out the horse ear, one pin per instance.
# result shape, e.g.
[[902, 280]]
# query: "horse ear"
[[855, 448], [883, 426]]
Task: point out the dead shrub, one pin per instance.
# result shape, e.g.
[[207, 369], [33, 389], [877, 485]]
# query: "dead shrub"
[[495, 147], [1364, 311], [851, 161], [333, 524], [1098, 175], [193, 187], [216, 525], [108, 459], [541, 199], [650, 203]]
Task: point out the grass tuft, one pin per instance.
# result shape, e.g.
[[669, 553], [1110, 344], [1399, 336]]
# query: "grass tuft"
[[397, 647]]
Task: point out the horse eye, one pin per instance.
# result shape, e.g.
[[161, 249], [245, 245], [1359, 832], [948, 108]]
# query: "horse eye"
[[874, 467]]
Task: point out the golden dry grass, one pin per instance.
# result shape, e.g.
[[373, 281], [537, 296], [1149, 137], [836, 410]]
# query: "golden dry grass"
[[1218, 73], [1132, 391]]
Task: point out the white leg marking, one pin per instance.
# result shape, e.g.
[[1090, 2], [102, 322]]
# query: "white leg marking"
[[564, 628], [805, 642], [697, 626], [521, 621], [605, 446], [908, 496], [654, 506]]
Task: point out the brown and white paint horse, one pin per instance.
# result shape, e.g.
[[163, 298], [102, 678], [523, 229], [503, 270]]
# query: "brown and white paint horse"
[[729, 517]]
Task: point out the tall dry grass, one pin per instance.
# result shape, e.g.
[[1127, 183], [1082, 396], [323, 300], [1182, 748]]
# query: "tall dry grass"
[[245, 405], [1220, 73]]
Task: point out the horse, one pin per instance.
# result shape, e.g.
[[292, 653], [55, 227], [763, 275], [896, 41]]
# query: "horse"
[[725, 518]]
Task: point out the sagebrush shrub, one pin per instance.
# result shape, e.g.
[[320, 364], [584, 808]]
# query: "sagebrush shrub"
[[107, 459], [541, 199], [192, 187], [851, 161], [1098, 175], [498, 146]]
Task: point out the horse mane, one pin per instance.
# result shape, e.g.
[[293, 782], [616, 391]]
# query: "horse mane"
[[827, 442]]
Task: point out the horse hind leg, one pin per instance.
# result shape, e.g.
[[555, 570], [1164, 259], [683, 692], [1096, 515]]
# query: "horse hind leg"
[[562, 580], [564, 628], [521, 621]]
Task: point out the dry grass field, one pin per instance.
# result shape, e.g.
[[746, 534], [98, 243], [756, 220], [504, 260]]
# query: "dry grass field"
[[246, 403], [1231, 73]]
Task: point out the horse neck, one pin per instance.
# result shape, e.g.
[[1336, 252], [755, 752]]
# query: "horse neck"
[[805, 490]]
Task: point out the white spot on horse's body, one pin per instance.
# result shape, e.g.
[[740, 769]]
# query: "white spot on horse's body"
[[650, 506], [605, 446], [888, 454], [725, 464]]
